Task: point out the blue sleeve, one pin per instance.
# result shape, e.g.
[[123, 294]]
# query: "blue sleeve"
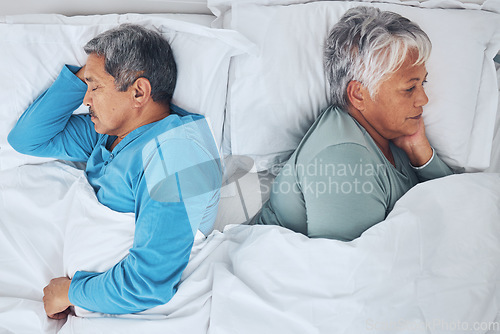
[[48, 128], [178, 190]]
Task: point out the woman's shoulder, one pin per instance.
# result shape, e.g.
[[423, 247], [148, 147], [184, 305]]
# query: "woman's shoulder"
[[334, 128]]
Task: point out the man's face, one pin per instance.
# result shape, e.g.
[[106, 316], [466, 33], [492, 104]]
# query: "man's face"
[[109, 108]]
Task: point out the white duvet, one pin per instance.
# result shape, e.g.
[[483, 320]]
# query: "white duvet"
[[432, 266]]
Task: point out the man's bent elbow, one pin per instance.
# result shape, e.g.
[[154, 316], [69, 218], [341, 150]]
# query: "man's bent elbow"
[[15, 139], [22, 140]]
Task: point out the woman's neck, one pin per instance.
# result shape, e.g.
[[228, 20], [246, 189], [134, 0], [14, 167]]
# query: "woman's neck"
[[382, 143]]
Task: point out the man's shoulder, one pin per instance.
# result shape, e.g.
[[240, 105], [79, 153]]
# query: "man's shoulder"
[[177, 137], [181, 112]]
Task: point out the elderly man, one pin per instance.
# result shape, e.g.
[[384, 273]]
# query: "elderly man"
[[143, 155]]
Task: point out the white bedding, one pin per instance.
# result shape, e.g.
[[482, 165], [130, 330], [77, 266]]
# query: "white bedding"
[[431, 267], [434, 261]]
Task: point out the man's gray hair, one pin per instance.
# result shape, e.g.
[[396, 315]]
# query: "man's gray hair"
[[367, 45], [131, 52]]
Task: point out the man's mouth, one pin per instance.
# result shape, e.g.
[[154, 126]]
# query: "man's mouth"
[[92, 113]]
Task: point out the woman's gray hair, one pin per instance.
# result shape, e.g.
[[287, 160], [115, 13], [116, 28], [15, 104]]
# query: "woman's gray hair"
[[130, 52], [368, 44]]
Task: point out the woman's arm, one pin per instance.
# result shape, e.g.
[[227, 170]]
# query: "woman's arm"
[[345, 195], [416, 146], [423, 158]]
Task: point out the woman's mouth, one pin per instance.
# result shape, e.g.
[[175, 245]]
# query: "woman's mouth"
[[416, 117]]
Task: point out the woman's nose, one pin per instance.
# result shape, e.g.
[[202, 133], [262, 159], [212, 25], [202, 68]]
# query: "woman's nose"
[[421, 99]]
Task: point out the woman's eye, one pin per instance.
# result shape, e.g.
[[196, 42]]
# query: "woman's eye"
[[411, 89]]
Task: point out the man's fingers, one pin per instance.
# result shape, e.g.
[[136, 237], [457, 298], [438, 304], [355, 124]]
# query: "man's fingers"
[[55, 298], [60, 315]]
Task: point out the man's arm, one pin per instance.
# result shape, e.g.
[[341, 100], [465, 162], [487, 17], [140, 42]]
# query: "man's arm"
[[48, 129], [179, 183], [55, 298]]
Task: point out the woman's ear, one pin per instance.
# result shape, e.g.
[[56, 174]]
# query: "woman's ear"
[[141, 91], [355, 94]]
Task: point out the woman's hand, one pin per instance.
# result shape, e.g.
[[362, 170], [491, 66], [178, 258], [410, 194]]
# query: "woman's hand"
[[416, 146]]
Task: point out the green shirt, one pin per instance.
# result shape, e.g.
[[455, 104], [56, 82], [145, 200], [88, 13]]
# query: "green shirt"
[[338, 183]]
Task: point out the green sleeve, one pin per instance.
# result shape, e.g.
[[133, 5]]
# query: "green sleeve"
[[343, 191], [433, 169]]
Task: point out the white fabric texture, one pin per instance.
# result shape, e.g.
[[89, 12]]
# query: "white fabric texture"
[[431, 266], [200, 19], [32, 56], [275, 95], [220, 7], [495, 152], [434, 261]]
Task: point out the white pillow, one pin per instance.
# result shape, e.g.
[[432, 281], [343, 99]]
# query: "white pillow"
[[220, 7], [275, 96], [32, 56], [201, 19]]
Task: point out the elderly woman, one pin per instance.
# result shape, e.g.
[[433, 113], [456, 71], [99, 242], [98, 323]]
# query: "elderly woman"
[[369, 148]]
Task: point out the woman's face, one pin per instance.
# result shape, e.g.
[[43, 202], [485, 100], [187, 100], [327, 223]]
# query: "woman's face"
[[396, 110]]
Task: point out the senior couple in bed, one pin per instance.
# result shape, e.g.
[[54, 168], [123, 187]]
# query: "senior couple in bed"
[[147, 156]]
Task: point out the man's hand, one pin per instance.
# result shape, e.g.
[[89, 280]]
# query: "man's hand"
[[55, 298], [416, 146], [81, 72]]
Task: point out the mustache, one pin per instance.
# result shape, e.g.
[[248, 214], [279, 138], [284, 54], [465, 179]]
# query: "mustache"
[[92, 112]]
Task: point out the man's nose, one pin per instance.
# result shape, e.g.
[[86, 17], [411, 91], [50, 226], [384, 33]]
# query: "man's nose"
[[87, 100]]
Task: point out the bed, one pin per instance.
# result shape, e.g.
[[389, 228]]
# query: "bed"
[[254, 69]]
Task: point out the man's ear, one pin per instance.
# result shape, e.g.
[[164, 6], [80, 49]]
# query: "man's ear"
[[141, 91], [356, 94]]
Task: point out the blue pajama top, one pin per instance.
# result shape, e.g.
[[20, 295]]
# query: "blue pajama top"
[[167, 172]]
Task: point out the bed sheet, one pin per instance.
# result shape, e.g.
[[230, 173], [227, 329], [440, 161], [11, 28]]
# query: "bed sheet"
[[495, 151], [433, 263]]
